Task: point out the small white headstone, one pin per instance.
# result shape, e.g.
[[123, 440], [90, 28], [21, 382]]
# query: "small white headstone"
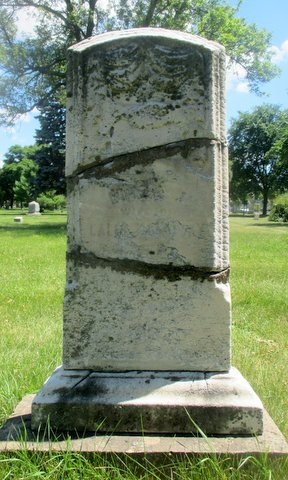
[[34, 208]]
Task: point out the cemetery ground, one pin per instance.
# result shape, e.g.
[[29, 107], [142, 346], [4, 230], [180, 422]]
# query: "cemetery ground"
[[31, 296]]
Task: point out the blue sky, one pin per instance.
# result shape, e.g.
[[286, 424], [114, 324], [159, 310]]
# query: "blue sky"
[[268, 14], [273, 16]]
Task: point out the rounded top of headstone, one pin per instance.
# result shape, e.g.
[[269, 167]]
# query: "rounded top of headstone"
[[173, 35]]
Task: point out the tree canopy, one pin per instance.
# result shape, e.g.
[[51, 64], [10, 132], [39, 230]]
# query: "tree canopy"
[[50, 154], [258, 153], [33, 72], [30, 171], [33, 69], [17, 176]]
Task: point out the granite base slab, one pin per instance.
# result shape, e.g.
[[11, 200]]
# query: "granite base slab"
[[16, 435], [148, 402]]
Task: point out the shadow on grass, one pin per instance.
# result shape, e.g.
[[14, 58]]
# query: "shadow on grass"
[[24, 229], [259, 223], [19, 213], [270, 225], [241, 215]]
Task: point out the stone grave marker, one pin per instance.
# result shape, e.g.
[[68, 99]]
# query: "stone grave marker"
[[34, 208], [147, 310]]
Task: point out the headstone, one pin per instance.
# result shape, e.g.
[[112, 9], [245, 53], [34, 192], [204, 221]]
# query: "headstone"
[[147, 309], [34, 208], [18, 219]]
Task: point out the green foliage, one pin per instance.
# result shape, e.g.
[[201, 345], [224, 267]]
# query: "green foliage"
[[24, 187], [50, 155], [51, 201], [279, 211], [221, 24], [255, 145], [17, 176], [34, 69]]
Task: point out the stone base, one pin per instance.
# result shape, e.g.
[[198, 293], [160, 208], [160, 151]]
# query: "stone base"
[[16, 434], [148, 402]]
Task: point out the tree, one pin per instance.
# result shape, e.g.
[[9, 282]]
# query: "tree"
[[24, 187], [34, 69], [50, 200], [50, 156], [17, 176], [256, 144], [9, 174]]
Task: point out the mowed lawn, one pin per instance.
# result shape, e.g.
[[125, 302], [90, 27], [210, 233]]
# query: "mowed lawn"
[[32, 262], [32, 259], [259, 282]]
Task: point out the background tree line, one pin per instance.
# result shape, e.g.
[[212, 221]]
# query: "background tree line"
[[259, 156], [37, 171], [33, 75]]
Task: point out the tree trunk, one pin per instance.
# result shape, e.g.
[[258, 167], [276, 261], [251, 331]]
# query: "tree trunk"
[[265, 203], [149, 16]]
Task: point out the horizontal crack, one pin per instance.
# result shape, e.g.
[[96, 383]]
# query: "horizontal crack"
[[159, 271], [143, 157]]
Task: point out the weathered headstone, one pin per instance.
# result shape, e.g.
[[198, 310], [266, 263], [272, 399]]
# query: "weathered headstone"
[[147, 304], [34, 208]]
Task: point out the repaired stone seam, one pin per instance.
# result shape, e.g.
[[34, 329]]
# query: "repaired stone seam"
[[123, 162], [170, 272]]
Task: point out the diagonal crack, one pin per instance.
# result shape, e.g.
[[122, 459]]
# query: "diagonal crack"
[[122, 162], [159, 271]]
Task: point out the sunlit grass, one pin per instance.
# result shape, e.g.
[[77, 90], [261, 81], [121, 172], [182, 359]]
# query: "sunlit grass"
[[32, 257], [259, 280], [33, 273], [75, 466]]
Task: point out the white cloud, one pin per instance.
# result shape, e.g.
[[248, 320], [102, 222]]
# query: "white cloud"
[[21, 133], [235, 78], [236, 75], [14, 131], [242, 87], [26, 21], [19, 120], [27, 117], [279, 54]]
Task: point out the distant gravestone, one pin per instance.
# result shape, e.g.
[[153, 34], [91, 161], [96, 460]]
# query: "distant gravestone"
[[147, 311], [34, 208]]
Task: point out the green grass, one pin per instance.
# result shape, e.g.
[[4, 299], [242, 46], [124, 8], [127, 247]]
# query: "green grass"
[[33, 274], [32, 258], [259, 280]]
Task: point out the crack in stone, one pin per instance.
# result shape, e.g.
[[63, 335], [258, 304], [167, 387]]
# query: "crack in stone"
[[82, 379], [170, 272], [123, 162]]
